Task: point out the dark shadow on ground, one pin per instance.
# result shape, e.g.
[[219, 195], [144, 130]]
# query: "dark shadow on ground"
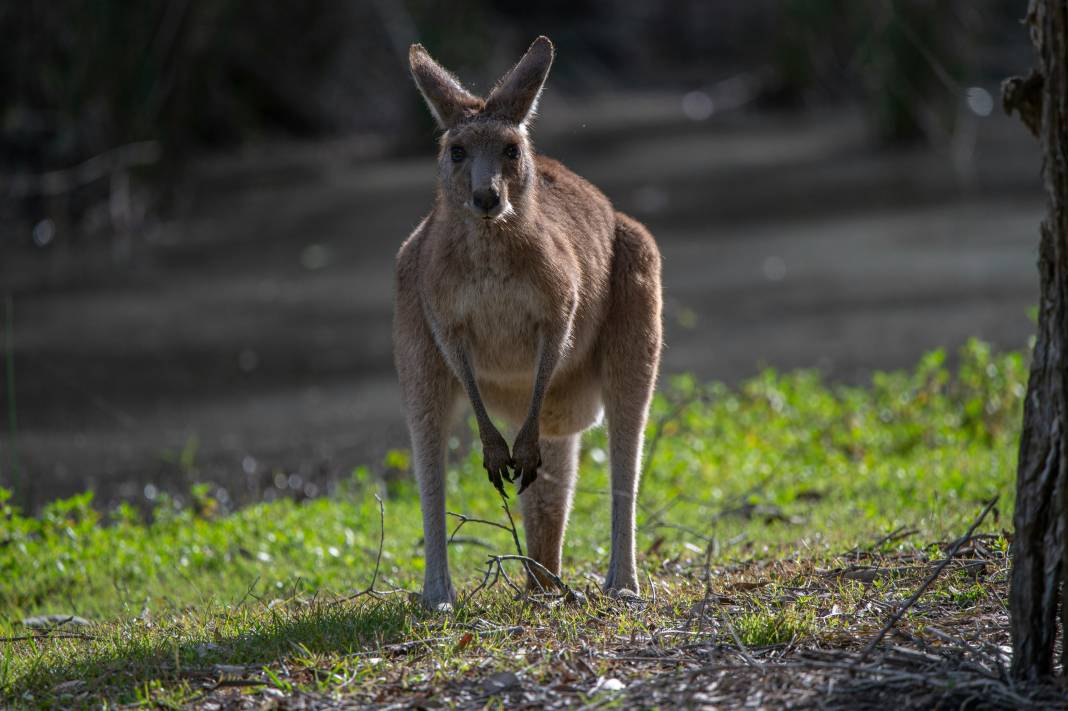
[[142, 657]]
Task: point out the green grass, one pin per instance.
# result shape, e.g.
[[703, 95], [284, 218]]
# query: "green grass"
[[780, 478]]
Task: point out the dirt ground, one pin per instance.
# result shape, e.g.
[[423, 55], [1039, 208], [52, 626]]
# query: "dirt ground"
[[246, 341]]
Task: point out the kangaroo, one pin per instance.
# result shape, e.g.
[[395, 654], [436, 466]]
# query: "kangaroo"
[[524, 290]]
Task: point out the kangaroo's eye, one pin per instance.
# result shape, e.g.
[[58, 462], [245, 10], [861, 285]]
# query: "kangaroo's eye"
[[457, 153], [511, 151]]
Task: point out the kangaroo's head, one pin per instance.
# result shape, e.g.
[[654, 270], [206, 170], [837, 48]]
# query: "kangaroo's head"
[[486, 160]]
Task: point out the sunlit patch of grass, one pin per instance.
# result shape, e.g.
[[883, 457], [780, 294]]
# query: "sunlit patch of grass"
[[766, 627], [795, 485]]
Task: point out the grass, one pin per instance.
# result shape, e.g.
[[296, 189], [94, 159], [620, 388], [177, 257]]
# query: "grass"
[[814, 506]]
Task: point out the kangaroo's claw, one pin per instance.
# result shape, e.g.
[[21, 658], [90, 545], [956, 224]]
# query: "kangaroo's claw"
[[497, 481], [528, 477], [511, 472]]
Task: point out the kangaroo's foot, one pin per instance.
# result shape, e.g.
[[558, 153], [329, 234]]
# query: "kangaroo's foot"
[[621, 583], [438, 594]]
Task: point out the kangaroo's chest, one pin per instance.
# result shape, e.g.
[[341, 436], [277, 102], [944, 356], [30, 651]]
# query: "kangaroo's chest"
[[498, 316], [495, 307]]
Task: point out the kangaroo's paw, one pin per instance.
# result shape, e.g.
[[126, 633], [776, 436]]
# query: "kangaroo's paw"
[[526, 456], [496, 460]]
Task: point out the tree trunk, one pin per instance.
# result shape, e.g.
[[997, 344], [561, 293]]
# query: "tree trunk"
[[1039, 552]]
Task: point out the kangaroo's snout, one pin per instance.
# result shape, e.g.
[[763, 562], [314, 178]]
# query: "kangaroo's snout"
[[486, 199]]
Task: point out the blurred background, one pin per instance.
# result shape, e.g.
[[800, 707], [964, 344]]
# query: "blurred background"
[[200, 201]]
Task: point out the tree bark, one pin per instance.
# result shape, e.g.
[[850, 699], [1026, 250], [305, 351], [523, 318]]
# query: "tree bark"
[[1039, 553]]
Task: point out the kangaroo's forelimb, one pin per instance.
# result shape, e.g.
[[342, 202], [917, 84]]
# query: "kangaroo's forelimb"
[[526, 454], [495, 456]]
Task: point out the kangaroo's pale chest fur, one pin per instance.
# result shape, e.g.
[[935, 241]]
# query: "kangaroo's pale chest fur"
[[495, 299]]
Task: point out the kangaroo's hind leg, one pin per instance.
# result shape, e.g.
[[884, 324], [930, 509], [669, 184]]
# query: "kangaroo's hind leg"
[[428, 423], [430, 394], [630, 356], [546, 504]]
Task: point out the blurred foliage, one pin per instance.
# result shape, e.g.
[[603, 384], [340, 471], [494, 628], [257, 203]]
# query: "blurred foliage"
[[83, 77], [907, 61], [80, 76]]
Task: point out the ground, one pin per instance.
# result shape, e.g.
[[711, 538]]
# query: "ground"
[[783, 524], [245, 340]]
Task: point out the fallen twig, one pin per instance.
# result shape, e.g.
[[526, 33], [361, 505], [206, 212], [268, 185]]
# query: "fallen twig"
[[495, 563], [895, 535], [900, 612], [742, 649], [464, 518], [57, 635], [511, 523], [370, 589]]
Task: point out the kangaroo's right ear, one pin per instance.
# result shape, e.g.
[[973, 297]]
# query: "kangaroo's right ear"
[[447, 100]]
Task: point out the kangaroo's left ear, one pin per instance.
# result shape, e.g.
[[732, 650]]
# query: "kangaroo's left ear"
[[515, 98]]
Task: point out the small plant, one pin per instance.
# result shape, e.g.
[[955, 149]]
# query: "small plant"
[[766, 627]]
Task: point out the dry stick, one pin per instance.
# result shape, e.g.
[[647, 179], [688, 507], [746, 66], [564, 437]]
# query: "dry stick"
[[471, 541], [927, 582], [527, 562], [504, 574], [495, 563], [485, 580], [495, 567], [710, 543], [897, 534], [741, 645], [511, 528], [464, 518], [370, 589], [58, 635], [515, 534]]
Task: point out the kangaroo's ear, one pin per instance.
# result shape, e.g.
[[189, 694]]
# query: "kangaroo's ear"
[[515, 98], [445, 96]]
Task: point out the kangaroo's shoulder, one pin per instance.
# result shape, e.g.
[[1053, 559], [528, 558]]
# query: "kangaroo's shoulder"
[[564, 192], [558, 177], [408, 256]]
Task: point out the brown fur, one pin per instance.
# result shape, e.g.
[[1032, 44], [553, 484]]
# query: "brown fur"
[[544, 310]]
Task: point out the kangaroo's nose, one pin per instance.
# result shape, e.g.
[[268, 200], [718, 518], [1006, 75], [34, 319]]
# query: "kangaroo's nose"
[[486, 199]]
